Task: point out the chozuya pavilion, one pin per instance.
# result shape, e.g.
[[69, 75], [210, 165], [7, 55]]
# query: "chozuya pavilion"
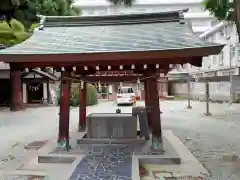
[[146, 44]]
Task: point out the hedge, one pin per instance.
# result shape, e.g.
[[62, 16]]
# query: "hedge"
[[75, 95]]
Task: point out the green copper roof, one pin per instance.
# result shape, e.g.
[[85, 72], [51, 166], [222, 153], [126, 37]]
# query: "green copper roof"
[[123, 33]]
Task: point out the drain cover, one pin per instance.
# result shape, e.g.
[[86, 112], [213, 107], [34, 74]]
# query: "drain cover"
[[36, 145]]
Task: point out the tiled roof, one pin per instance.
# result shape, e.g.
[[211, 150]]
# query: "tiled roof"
[[46, 74], [123, 33]]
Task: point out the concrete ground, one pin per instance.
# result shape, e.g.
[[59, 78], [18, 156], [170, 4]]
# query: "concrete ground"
[[213, 140]]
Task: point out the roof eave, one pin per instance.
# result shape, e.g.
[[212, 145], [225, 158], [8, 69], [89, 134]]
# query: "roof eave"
[[90, 58]]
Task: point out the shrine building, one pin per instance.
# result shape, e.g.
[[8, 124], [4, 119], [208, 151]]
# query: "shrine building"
[[80, 47]]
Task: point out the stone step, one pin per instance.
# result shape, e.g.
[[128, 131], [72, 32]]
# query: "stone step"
[[56, 159]]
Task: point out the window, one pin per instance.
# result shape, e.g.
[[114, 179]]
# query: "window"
[[221, 59], [125, 90], [232, 52]]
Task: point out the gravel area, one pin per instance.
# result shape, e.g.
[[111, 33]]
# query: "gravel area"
[[214, 140]]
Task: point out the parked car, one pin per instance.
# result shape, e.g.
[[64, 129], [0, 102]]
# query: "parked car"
[[125, 95]]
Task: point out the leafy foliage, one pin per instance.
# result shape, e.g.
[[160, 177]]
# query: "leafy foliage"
[[225, 10], [219, 8], [55, 7], [26, 11], [22, 10], [91, 95], [12, 35], [33, 27]]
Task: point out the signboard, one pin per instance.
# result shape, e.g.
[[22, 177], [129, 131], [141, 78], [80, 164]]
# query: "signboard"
[[117, 73]]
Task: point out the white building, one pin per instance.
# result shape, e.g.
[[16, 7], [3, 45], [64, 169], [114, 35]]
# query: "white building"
[[225, 64], [204, 25], [201, 20]]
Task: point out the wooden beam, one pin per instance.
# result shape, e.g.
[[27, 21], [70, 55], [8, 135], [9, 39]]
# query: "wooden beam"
[[163, 62], [110, 78]]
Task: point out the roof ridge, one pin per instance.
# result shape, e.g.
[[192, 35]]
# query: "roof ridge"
[[168, 16]]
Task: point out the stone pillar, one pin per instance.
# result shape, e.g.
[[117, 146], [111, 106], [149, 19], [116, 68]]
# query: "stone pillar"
[[82, 107], [207, 97], [110, 89], [16, 88], [63, 138], [45, 93], [153, 98], [147, 105], [24, 91]]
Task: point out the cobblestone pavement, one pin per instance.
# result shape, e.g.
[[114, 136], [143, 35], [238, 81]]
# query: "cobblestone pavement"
[[213, 140], [105, 162]]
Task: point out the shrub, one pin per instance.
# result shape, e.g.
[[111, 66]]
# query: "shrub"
[[75, 95], [91, 95]]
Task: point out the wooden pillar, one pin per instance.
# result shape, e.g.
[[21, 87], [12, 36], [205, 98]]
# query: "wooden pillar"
[[82, 107], [155, 113], [16, 90], [147, 105], [63, 137]]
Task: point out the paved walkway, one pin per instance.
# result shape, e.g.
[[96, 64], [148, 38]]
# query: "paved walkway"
[[213, 140], [103, 162]]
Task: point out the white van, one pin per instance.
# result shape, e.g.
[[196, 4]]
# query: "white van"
[[125, 95]]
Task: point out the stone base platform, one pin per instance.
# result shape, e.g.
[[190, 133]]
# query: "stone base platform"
[[176, 161]]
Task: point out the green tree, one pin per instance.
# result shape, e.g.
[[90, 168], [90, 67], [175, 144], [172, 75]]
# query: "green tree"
[[56, 7], [12, 35], [26, 11], [225, 10], [75, 95], [22, 10]]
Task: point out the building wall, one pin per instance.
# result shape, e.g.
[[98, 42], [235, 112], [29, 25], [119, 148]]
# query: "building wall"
[[225, 64], [201, 21], [218, 90]]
